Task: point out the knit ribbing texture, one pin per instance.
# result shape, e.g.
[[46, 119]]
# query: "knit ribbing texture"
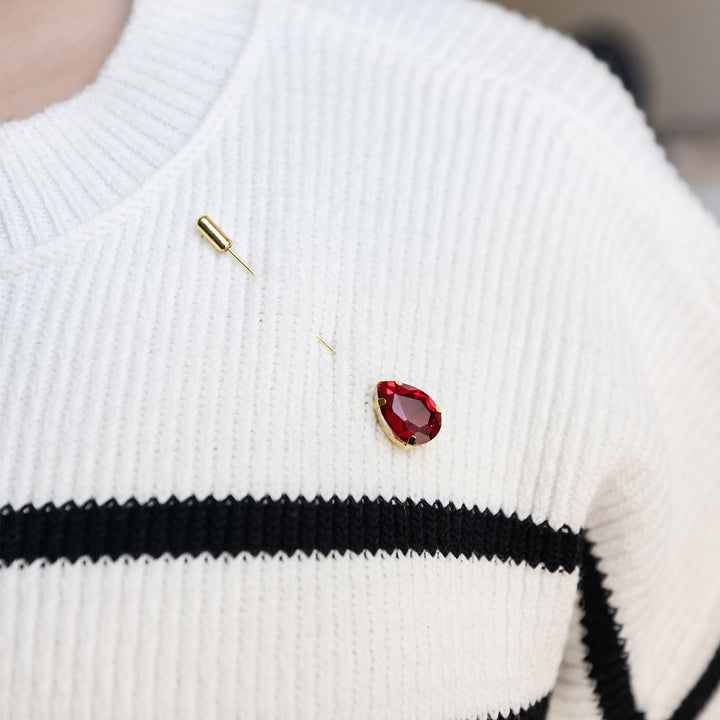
[[201, 516]]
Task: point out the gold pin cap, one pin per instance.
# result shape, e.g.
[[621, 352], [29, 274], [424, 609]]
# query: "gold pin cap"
[[214, 234], [219, 240]]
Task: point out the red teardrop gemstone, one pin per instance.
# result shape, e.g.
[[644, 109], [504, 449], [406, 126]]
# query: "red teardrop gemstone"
[[408, 415]]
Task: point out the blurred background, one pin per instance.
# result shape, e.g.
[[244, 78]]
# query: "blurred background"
[[667, 53]]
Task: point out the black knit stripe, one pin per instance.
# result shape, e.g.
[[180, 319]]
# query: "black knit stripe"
[[282, 525], [536, 711], [605, 654], [608, 659], [699, 696]]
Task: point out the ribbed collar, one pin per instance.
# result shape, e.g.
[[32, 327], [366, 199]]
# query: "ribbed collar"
[[70, 163]]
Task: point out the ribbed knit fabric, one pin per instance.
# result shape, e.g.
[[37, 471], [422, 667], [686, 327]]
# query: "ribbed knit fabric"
[[201, 516]]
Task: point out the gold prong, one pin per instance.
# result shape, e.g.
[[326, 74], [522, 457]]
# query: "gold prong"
[[381, 402], [411, 440], [326, 344], [438, 410], [398, 383]]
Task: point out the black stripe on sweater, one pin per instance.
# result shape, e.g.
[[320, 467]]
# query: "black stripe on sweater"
[[536, 711], [608, 660], [704, 689], [282, 525], [605, 654]]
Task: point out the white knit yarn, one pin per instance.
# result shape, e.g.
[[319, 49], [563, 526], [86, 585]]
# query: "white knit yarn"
[[454, 197]]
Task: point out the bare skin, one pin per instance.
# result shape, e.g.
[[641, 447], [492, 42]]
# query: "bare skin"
[[52, 49]]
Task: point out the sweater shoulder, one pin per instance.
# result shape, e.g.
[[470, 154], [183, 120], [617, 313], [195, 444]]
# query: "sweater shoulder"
[[548, 78], [501, 46]]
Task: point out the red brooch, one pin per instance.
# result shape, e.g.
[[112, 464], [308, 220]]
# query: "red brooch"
[[409, 416]]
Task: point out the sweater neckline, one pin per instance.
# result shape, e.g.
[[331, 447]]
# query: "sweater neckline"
[[73, 166]]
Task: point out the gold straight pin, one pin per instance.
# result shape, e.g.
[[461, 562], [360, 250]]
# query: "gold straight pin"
[[326, 344], [219, 240]]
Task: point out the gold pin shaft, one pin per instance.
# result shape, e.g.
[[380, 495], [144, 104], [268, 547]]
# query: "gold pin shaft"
[[326, 344], [219, 240]]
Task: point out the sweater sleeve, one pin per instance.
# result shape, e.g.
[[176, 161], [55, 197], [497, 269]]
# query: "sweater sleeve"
[[644, 640]]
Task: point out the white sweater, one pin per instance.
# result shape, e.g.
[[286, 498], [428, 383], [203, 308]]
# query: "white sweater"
[[202, 517]]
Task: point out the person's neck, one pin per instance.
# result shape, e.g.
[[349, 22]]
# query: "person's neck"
[[51, 49]]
